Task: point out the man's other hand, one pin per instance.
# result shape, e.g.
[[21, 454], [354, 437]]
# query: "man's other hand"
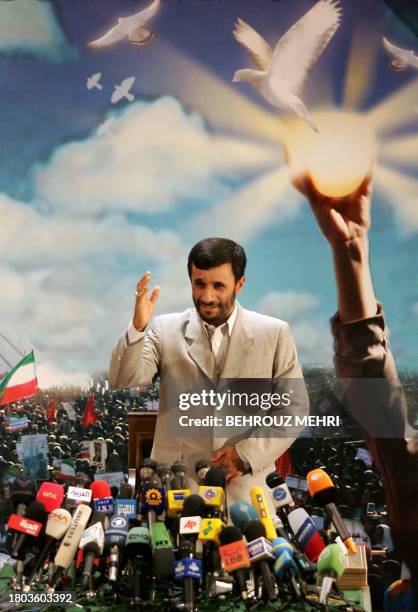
[[229, 459]]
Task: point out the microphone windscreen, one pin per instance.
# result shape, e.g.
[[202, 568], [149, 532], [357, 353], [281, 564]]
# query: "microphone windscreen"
[[215, 477], [193, 505], [321, 487], [114, 490], [100, 489], [179, 466], [36, 512], [229, 534], [254, 529], [201, 464], [242, 512], [126, 491], [58, 522], [22, 491], [273, 480], [163, 470], [51, 495], [331, 561]]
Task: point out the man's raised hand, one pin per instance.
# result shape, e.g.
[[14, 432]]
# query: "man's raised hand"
[[144, 305]]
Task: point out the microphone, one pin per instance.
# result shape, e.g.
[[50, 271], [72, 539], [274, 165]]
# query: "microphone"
[[213, 492], [188, 569], [241, 512], [306, 534], [162, 550], [164, 472], [152, 503], [102, 496], [56, 527], [331, 565], [51, 495], [22, 493], [323, 492], [281, 496], [92, 544], [77, 495], [234, 557], [179, 469], [285, 566], [29, 525], [175, 501], [115, 538], [69, 545], [81, 480], [260, 504], [126, 491], [260, 553], [201, 468], [138, 549], [147, 469]]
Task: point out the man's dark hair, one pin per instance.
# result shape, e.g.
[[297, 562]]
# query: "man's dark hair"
[[213, 252]]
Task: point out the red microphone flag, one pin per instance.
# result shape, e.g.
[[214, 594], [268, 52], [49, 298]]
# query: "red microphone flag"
[[51, 411], [89, 416]]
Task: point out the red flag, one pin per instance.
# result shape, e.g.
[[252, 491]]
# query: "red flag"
[[89, 416], [51, 411]]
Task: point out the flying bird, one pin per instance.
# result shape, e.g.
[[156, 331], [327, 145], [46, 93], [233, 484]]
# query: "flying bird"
[[93, 81], [104, 128], [134, 27], [400, 59], [123, 91], [281, 73]]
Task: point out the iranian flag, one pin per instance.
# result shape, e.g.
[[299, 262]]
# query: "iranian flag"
[[20, 382]]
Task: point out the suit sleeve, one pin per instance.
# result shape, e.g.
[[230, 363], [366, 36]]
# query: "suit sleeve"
[[261, 452], [137, 363], [367, 370]]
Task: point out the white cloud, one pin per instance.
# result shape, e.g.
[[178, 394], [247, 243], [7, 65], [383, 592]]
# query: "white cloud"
[[287, 305], [157, 157], [26, 234], [31, 28], [310, 332]]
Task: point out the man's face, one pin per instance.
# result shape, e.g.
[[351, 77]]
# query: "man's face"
[[214, 292]]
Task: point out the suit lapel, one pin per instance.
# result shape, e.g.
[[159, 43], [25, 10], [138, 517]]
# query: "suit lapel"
[[199, 349], [240, 343]]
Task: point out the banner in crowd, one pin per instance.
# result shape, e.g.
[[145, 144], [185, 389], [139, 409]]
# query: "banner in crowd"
[[34, 451]]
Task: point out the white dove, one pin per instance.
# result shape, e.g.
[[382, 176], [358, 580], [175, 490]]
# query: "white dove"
[[123, 91], [133, 27], [281, 74], [401, 58], [93, 81]]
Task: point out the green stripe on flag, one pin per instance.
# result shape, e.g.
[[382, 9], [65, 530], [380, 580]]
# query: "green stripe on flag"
[[27, 359]]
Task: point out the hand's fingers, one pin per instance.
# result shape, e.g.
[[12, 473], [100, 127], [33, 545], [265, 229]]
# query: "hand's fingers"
[[218, 455], [143, 281], [155, 294]]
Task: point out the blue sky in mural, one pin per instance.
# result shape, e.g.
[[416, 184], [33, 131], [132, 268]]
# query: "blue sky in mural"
[[83, 215]]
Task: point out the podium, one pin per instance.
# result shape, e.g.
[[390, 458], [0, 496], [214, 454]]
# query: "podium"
[[141, 435]]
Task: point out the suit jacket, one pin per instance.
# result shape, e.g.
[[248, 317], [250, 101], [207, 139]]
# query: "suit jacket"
[[176, 347]]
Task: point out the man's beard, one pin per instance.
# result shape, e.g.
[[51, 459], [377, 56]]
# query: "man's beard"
[[219, 314]]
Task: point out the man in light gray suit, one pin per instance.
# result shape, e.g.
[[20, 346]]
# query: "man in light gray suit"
[[216, 339]]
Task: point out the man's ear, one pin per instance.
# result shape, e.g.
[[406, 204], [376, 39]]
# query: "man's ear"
[[239, 285]]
